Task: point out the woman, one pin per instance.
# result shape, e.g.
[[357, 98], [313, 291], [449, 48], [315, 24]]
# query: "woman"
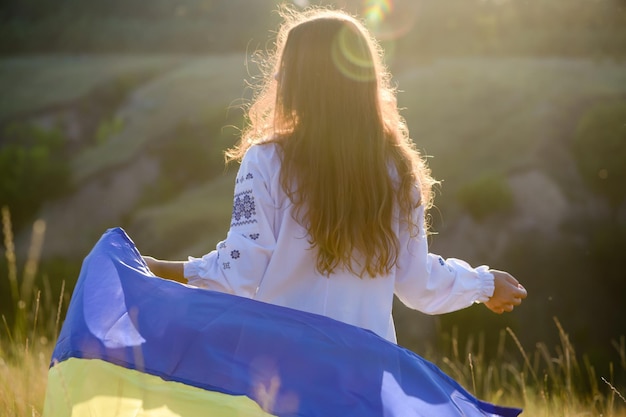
[[331, 195]]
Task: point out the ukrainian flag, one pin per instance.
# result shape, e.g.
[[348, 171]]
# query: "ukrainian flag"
[[135, 345]]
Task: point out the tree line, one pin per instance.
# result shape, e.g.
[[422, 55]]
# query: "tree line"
[[510, 27]]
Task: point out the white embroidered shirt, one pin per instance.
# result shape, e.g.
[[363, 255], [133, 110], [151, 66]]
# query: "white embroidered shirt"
[[267, 256]]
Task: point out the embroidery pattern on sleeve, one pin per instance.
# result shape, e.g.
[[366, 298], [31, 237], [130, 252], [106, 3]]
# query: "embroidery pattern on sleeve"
[[444, 264], [244, 209], [241, 179]]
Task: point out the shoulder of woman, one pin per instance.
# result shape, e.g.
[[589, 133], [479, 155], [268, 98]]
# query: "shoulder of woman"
[[262, 152], [264, 159]]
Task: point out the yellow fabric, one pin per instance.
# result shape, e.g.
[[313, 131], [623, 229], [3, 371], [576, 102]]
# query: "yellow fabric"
[[95, 388]]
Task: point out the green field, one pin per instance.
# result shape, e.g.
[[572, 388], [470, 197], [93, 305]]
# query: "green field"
[[492, 114], [33, 83]]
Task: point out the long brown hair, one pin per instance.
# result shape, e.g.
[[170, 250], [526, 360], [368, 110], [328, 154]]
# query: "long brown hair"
[[347, 160]]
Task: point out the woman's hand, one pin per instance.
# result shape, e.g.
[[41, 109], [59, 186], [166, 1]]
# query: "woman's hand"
[[507, 294], [172, 270]]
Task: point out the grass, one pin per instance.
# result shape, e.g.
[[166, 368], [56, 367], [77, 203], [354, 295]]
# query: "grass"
[[23, 377], [544, 382], [26, 346]]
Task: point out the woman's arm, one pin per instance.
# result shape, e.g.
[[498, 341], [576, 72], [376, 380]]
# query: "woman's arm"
[[172, 270], [434, 285]]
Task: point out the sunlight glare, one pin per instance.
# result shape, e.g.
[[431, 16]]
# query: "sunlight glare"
[[351, 58], [377, 10], [389, 20]]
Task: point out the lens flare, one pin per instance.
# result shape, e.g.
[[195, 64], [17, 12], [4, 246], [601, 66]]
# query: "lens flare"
[[377, 10], [351, 57], [389, 21]]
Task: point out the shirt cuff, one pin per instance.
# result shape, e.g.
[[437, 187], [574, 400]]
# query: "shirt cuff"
[[195, 271], [486, 285]]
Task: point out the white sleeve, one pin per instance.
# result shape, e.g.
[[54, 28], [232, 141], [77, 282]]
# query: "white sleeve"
[[238, 263], [433, 285]]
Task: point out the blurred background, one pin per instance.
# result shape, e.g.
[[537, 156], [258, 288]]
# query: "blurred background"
[[116, 113]]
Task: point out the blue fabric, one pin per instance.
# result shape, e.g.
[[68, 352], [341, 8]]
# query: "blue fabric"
[[291, 362]]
